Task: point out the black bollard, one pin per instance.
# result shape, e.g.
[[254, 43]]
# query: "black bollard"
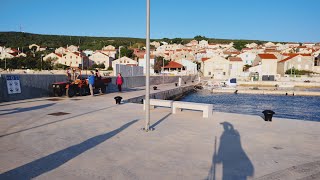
[[176, 84], [236, 92], [286, 94], [268, 115], [118, 99], [155, 87], [192, 81], [185, 82]]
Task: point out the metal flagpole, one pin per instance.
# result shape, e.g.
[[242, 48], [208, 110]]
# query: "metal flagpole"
[[147, 100]]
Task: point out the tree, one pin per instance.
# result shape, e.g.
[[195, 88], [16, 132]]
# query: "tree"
[[177, 41], [159, 63], [240, 44], [246, 67], [199, 38], [126, 52]]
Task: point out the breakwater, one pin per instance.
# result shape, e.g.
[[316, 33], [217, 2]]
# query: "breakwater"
[[174, 94], [39, 85]]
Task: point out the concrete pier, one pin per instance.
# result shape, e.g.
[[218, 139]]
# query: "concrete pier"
[[93, 138]]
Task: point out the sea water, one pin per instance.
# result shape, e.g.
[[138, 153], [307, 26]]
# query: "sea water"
[[292, 107]]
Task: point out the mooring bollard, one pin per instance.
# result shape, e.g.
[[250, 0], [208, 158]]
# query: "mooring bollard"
[[176, 84], [155, 87], [268, 115], [185, 82], [118, 99]]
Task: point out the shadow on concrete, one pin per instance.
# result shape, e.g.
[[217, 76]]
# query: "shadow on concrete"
[[235, 162], [3, 135], [159, 121], [20, 110], [53, 161], [12, 103]]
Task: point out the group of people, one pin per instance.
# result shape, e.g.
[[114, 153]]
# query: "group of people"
[[94, 80]]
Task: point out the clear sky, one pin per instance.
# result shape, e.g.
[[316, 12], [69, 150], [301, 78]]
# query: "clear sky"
[[273, 20]]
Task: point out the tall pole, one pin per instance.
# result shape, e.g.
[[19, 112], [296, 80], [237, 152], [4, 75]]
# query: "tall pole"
[[147, 101]]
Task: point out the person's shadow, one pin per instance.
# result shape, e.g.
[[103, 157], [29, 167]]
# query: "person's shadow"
[[235, 162]]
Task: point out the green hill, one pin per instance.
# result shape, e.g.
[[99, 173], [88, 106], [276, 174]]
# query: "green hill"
[[23, 40]]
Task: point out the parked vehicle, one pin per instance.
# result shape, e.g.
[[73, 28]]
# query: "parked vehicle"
[[77, 84]]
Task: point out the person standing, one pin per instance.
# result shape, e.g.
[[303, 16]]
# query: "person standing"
[[91, 82], [119, 81], [98, 81]]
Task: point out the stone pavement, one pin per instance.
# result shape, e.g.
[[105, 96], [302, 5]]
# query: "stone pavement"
[[93, 138]]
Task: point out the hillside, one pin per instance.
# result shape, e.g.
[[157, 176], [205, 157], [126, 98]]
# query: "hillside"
[[23, 40]]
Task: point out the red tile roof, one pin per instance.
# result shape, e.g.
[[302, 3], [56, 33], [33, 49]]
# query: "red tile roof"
[[235, 59], [267, 56], [288, 58], [173, 64], [292, 56], [204, 59], [60, 55]]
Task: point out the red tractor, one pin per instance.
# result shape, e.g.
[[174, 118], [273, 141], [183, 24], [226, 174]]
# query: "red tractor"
[[78, 85]]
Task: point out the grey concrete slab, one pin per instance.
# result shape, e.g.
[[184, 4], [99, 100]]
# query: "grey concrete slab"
[[101, 140]]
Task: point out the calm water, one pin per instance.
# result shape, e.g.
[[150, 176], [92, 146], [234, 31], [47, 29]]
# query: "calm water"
[[293, 107]]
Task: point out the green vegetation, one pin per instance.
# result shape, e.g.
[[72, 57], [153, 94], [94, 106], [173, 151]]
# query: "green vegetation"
[[98, 66], [32, 61], [23, 40], [159, 63], [298, 72]]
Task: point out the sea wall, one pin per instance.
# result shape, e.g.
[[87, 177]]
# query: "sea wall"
[[39, 85], [173, 94]]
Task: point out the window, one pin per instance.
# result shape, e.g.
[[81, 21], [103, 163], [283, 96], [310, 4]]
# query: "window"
[[65, 62], [209, 73], [70, 57], [224, 73]]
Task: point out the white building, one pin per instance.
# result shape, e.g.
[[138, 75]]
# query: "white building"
[[142, 63]]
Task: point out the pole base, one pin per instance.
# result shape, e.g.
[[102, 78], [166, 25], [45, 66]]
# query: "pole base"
[[150, 129]]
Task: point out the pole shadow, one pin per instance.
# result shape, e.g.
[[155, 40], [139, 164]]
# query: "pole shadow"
[[159, 121], [53, 161], [235, 162], [20, 110]]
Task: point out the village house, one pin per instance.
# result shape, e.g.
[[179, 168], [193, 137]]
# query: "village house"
[[142, 62], [60, 50], [247, 57], [295, 61], [98, 57], [124, 61], [6, 55], [73, 48], [75, 59], [251, 45], [180, 54], [236, 66], [55, 57], [216, 67], [189, 67], [110, 51], [172, 68], [265, 65]]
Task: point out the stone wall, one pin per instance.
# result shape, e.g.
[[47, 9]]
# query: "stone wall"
[[39, 85]]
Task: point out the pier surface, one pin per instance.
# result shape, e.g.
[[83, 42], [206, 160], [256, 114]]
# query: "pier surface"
[[93, 138]]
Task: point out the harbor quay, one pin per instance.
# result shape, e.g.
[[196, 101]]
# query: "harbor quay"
[[94, 138]]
